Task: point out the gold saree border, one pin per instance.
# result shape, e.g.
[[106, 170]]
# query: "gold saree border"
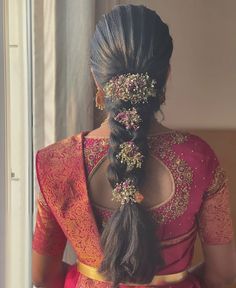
[[92, 273]]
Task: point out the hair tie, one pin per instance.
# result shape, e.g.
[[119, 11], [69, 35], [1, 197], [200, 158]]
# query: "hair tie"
[[135, 88]]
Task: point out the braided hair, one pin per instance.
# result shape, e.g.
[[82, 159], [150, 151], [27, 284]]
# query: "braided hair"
[[130, 39]]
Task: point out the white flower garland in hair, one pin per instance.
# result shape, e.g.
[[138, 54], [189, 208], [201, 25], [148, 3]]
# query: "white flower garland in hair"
[[135, 88]]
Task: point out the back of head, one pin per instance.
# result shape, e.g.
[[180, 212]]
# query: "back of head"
[[134, 43]]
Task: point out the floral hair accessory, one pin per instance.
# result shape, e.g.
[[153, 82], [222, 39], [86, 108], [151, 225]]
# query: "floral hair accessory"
[[130, 155], [135, 88], [129, 118], [125, 192]]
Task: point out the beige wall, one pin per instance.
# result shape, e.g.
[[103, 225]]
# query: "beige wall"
[[4, 168], [202, 88]]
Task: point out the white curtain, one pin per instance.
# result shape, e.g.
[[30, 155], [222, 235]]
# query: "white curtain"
[[63, 89]]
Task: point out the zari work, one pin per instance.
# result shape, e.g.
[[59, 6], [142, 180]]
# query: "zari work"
[[215, 220], [62, 181], [182, 174], [162, 147], [46, 231], [65, 211], [218, 181]]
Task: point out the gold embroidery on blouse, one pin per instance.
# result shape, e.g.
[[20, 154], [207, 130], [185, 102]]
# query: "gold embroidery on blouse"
[[92, 155], [218, 181], [96, 167], [215, 219], [182, 173]]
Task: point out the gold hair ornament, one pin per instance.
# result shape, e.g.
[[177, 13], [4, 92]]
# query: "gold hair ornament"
[[125, 192], [130, 155], [135, 88], [129, 118]]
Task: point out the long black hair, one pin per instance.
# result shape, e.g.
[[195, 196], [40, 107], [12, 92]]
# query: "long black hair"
[[130, 39]]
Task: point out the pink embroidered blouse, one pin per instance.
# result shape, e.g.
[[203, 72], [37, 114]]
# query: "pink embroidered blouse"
[[200, 203]]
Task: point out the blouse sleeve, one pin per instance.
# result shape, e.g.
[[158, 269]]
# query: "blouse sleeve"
[[214, 218], [48, 238]]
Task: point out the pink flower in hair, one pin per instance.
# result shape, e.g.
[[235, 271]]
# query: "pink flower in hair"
[[134, 88], [125, 192], [129, 118], [129, 154]]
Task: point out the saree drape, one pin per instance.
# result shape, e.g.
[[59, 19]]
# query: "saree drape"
[[200, 203]]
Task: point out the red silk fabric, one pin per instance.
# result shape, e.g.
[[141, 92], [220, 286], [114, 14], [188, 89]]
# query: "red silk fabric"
[[200, 203]]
